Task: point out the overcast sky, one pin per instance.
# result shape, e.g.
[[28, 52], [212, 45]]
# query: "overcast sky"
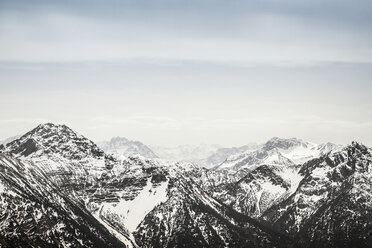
[[174, 72]]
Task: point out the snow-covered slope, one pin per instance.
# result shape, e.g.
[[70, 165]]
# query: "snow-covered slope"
[[125, 147]]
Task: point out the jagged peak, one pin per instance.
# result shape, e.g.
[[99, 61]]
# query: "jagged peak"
[[52, 138], [354, 148], [357, 147], [47, 129], [49, 125], [352, 152]]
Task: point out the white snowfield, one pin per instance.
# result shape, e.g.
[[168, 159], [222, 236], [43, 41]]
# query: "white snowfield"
[[134, 211]]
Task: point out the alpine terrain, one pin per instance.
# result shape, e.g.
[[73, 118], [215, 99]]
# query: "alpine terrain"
[[60, 189]]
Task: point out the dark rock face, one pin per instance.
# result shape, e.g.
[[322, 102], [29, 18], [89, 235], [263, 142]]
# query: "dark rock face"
[[158, 178], [27, 148]]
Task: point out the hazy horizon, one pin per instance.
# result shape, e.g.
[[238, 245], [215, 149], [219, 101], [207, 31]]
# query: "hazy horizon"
[[185, 144], [188, 72]]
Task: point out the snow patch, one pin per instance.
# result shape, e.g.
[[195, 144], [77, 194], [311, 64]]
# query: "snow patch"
[[134, 211]]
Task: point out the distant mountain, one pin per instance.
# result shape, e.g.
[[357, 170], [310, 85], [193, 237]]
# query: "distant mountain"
[[8, 140], [125, 147], [185, 152], [221, 154], [277, 151]]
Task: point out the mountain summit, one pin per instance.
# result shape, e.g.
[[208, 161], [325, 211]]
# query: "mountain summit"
[[50, 138]]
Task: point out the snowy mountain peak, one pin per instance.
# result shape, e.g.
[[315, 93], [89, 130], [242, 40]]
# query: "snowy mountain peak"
[[48, 129], [50, 138]]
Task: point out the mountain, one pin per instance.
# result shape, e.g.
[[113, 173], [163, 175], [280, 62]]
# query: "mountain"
[[332, 204], [125, 147], [34, 213], [53, 139], [207, 156], [222, 154], [71, 162], [185, 152], [259, 189], [267, 175], [277, 151]]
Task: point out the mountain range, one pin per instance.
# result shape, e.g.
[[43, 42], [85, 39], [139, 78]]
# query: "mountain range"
[[60, 189]]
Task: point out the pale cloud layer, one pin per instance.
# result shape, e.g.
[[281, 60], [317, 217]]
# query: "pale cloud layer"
[[174, 72]]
